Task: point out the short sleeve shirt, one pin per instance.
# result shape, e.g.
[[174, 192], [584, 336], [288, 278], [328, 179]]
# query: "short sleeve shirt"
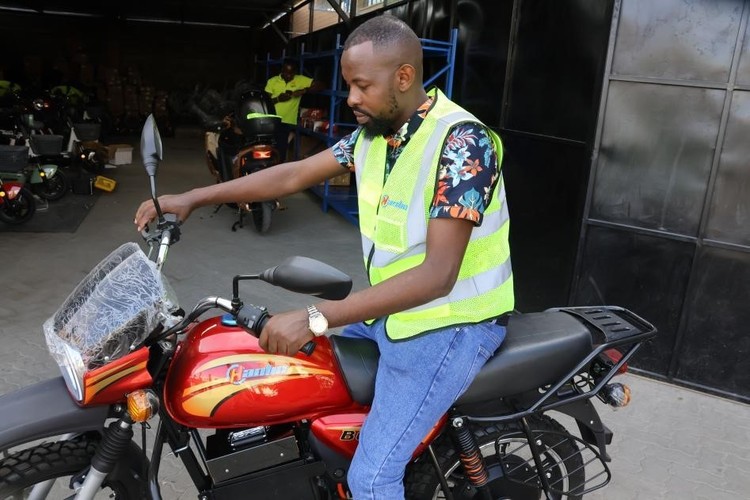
[[468, 169], [276, 86]]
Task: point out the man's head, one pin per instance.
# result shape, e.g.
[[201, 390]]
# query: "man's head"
[[382, 64], [288, 70]]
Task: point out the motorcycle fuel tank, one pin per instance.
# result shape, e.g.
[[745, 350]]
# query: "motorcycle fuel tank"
[[220, 377]]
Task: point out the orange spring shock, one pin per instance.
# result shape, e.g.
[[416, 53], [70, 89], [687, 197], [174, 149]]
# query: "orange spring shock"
[[469, 454]]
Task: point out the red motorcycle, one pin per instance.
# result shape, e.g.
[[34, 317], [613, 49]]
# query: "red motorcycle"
[[286, 427]]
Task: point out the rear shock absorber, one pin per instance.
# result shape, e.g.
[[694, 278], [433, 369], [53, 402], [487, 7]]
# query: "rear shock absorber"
[[470, 456]]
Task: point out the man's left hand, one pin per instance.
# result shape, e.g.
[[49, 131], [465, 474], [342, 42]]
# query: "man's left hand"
[[286, 333]]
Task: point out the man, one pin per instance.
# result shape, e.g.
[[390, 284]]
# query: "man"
[[286, 90], [434, 234]]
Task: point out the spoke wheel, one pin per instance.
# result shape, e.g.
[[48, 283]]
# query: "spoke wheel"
[[562, 463]]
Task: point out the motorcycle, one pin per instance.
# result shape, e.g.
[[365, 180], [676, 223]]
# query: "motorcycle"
[[17, 203], [287, 426], [243, 143], [44, 179]]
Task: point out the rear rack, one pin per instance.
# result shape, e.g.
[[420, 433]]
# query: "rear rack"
[[615, 327]]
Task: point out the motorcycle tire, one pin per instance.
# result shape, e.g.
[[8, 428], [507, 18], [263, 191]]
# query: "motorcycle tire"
[[563, 460], [54, 188], [20, 209], [261, 213], [22, 470]]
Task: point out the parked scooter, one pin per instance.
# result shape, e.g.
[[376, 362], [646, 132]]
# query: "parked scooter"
[[243, 143], [287, 426], [17, 203]]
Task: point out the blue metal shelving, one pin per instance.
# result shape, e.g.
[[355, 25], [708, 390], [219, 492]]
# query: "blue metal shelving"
[[343, 199]]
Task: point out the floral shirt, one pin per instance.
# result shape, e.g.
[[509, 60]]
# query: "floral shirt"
[[468, 166]]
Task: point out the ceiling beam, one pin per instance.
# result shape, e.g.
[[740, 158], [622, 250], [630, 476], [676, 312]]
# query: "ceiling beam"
[[343, 15]]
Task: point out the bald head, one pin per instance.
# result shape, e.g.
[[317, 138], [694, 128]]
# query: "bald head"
[[391, 38]]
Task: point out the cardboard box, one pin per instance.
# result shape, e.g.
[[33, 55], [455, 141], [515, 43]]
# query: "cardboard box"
[[120, 154]]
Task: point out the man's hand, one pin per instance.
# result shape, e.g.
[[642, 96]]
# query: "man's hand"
[[286, 333], [284, 97], [178, 204]]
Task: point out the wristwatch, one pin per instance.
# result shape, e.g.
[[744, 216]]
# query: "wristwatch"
[[316, 322]]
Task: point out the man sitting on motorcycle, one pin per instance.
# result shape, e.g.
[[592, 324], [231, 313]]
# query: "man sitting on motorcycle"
[[434, 228]]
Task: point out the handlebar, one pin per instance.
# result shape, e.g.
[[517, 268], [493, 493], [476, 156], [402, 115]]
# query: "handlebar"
[[249, 317]]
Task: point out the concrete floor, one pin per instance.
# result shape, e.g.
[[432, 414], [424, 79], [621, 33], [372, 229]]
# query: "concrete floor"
[[670, 443]]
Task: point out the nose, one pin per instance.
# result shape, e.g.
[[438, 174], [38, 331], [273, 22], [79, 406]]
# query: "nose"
[[354, 98]]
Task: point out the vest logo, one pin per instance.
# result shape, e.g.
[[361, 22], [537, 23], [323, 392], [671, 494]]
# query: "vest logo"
[[385, 201], [237, 374]]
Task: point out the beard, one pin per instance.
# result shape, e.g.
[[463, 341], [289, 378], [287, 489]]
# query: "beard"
[[382, 124]]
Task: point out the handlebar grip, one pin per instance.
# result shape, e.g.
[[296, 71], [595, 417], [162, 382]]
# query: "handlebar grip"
[[308, 348], [256, 320]]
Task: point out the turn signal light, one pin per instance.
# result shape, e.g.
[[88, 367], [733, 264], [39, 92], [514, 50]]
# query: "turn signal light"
[[142, 405], [616, 395]]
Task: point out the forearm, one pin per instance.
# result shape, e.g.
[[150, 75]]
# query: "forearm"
[[411, 288], [270, 183]]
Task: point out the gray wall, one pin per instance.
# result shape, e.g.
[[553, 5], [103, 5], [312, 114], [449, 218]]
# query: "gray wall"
[[667, 225]]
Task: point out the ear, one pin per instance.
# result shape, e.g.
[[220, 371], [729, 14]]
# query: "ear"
[[405, 76]]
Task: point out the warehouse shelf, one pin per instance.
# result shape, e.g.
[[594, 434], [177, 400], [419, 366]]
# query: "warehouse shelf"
[[343, 199]]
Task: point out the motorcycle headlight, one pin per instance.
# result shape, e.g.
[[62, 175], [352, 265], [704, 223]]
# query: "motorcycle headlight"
[[73, 370], [38, 104]]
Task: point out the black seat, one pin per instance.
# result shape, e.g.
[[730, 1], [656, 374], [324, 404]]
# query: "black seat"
[[539, 349]]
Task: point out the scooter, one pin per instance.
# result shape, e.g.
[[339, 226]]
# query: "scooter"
[[45, 179], [243, 143], [248, 424]]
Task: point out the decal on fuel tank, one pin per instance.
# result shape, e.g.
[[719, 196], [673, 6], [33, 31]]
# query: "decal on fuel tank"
[[223, 377]]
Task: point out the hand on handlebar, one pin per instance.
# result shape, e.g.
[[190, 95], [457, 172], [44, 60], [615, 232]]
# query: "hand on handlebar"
[[286, 333], [179, 205]]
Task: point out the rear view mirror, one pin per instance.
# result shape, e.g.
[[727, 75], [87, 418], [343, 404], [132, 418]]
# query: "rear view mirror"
[[151, 149]]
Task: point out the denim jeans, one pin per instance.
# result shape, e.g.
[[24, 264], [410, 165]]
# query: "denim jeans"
[[417, 382]]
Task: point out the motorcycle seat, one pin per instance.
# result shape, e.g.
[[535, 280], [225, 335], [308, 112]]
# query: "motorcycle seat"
[[539, 349]]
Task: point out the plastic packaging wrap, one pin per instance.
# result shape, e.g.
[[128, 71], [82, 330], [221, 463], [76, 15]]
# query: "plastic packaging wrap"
[[112, 310]]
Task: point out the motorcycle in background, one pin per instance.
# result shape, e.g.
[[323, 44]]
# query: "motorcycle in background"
[[242, 143], [284, 427]]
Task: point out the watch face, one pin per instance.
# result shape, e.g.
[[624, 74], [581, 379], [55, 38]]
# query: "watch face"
[[318, 324]]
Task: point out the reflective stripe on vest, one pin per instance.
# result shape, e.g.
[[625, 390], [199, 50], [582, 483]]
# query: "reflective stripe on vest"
[[393, 224]]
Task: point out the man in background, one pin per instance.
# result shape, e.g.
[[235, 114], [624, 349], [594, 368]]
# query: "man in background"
[[286, 90]]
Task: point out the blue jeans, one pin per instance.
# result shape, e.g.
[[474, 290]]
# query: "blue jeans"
[[417, 382]]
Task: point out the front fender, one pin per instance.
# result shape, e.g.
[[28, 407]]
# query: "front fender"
[[43, 410]]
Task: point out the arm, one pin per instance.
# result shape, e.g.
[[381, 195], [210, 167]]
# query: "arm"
[[267, 184], [447, 240]]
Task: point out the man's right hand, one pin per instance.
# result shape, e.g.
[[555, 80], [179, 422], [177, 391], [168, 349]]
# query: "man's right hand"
[[177, 204], [284, 97]]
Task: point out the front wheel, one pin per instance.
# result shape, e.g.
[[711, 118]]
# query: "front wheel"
[[54, 187], [41, 470], [560, 458]]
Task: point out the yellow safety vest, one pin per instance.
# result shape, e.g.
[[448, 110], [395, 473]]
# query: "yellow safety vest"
[[393, 218]]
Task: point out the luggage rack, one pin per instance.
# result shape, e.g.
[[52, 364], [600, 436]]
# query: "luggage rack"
[[615, 327]]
